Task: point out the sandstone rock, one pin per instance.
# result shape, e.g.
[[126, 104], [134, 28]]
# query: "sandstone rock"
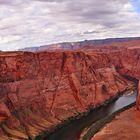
[[138, 98], [40, 90], [13, 122], [4, 112], [121, 127]]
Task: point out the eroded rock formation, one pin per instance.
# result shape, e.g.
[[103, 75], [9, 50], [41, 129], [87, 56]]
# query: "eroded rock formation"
[[38, 91]]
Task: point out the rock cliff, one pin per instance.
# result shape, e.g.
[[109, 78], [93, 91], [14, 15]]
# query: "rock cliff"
[[40, 90]]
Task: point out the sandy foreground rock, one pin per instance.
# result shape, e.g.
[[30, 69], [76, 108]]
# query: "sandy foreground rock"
[[125, 126]]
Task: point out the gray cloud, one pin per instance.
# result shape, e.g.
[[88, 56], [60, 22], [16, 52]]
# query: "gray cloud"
[[5, 1], [91, 32], [27, 23]]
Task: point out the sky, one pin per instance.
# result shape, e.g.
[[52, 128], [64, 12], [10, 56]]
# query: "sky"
[[31, 23]]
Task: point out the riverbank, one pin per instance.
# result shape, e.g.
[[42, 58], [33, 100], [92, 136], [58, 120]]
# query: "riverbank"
[[97, 126], [88, 118], [125, 126]]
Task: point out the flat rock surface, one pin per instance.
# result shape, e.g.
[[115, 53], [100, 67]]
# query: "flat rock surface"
[[125, 126]]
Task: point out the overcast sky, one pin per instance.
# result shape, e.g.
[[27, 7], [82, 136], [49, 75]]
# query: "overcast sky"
[[29, 23]]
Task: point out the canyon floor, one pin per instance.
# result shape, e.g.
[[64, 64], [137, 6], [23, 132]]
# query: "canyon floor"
[[125, 126]]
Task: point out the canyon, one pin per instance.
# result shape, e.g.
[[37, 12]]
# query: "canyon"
[[41, 90]]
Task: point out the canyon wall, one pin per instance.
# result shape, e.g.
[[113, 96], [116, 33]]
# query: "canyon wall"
[[38, 91]]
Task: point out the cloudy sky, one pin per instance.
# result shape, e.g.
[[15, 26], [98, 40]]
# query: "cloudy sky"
[[27, 23]]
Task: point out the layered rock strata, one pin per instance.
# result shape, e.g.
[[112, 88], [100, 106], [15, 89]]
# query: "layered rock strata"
[[38, 91]]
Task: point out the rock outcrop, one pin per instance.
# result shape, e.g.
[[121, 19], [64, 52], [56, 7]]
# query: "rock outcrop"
[[38, 91], [138, 98], [121, 127]]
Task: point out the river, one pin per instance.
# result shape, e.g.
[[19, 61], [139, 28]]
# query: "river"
[[72, 130]]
